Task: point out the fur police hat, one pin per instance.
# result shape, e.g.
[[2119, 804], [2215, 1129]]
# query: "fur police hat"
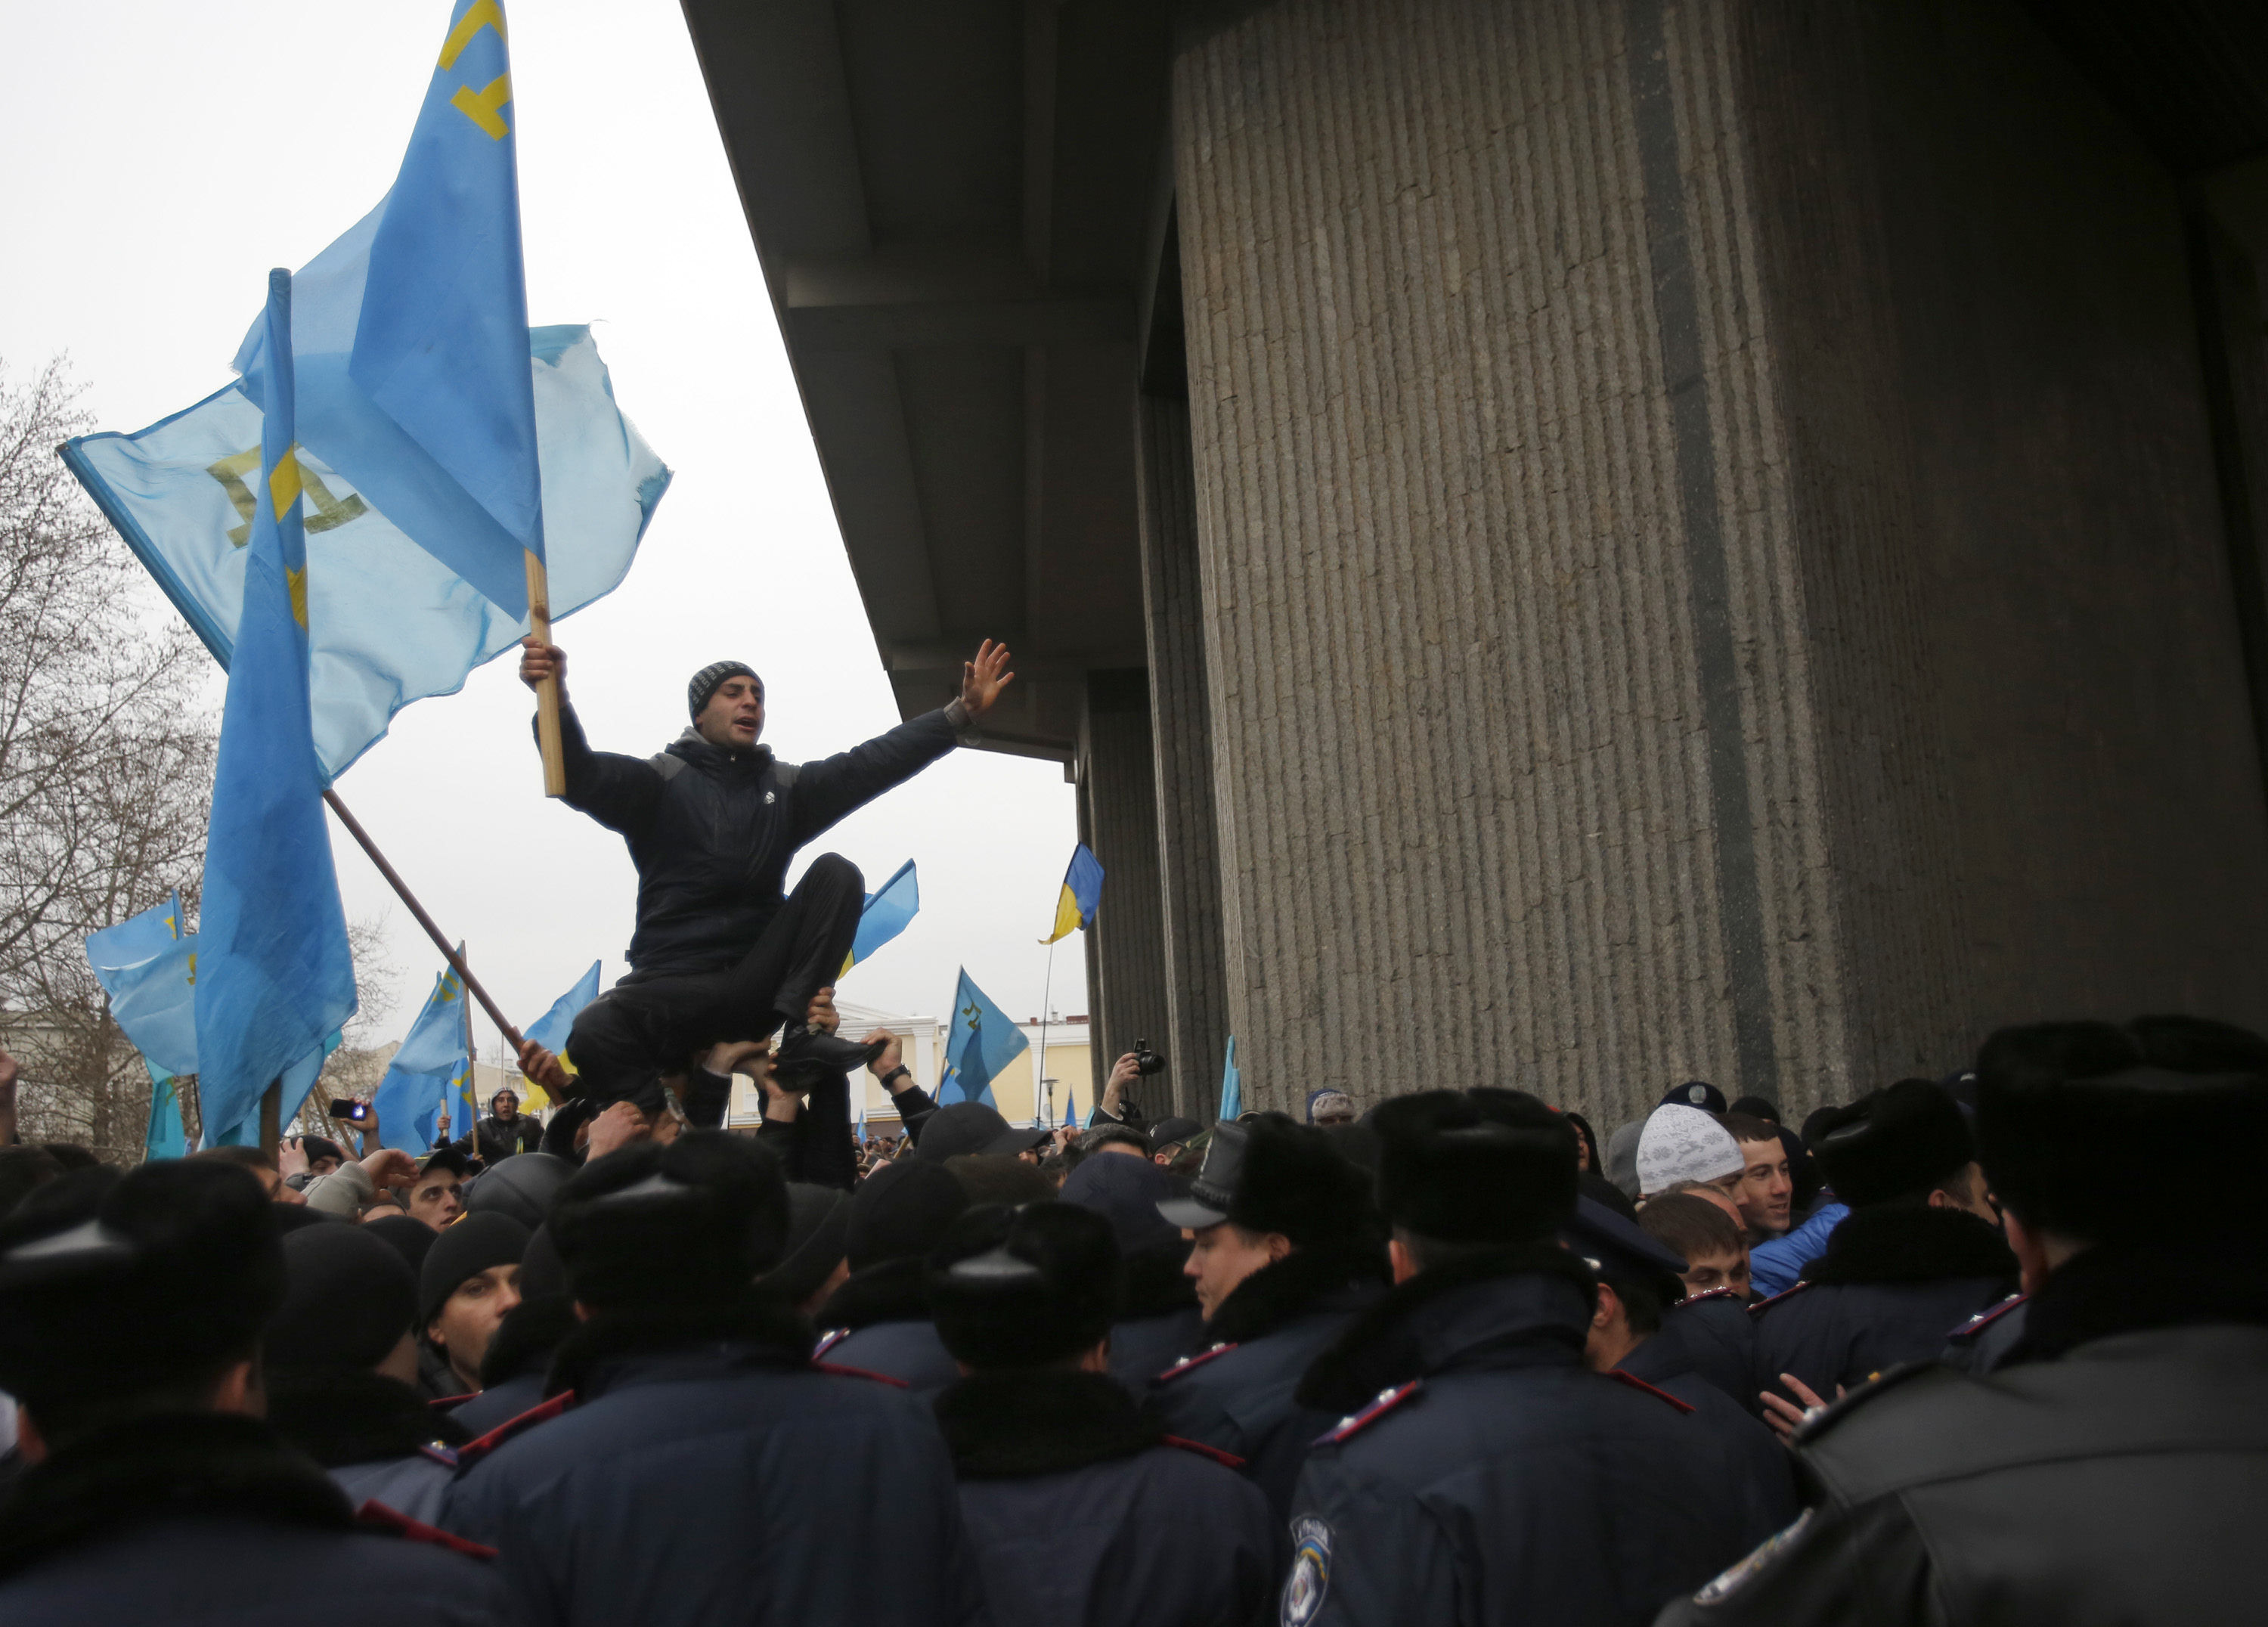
[[2067, 1112], [1475, 1166], [115, 1285], [1023, 1287], [1897, 1142], [704, 682], [1269, 1174], [691, 1223]]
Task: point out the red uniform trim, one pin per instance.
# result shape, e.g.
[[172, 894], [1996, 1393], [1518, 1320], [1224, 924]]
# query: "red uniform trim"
[[841, 1371], [1783, 1294], [1197, 1361], [1203, 1450], [1985, 1319], [1386, 1401], [379, 1517], [442, 1403], [1711, 1293], [1636, 1382], [829, 1342], [473, 1451]]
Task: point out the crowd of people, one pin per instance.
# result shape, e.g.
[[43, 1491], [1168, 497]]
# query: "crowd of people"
[[1454, 1359], [1986, 1348]]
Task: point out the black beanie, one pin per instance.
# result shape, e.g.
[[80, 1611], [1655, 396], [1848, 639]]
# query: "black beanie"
[[2067, 1112], [522, 1186], [143, 1280], [1899, 1141], [692, 1223], [1271, 1174], [347, 1298], [901, 1210], [706, 682], [818, 1223], [1023, 1287], [472, 1246], [1475, 1166], [412, 1239]]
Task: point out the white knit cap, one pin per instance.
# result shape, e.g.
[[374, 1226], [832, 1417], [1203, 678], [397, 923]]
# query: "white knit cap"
[[1684, 1143]]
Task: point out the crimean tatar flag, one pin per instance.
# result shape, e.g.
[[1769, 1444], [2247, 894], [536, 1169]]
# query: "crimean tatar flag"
[[1082, 891]]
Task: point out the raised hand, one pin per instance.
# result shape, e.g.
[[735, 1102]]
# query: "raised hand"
[[982, 680], [539, 660]]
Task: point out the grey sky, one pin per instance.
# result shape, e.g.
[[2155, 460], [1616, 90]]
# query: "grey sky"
[[156, 157]]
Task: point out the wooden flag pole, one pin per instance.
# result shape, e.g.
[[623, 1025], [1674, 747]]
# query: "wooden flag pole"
[[547, 693], [511, 1035]]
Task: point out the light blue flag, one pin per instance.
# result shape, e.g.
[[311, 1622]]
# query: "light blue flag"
[[886, 914], [275, 980], [429, 1073], [298, 1078], [389, 623], [1231, 1086], [551, 1030], [984, 1042], [1070, 1110], [412, 378], [149, 971], [164, 1137]]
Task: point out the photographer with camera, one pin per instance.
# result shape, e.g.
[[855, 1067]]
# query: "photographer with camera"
[[1117, 1106], [723, 951]]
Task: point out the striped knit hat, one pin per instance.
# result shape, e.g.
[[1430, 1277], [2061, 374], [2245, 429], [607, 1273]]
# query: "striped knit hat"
[[706, 682]]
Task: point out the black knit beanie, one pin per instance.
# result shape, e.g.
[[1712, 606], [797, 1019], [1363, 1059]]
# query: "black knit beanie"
[[706, 682]]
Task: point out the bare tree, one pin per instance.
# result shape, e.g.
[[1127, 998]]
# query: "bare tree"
[[106, 775]]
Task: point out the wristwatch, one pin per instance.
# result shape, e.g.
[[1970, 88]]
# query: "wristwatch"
[[900, 1071]]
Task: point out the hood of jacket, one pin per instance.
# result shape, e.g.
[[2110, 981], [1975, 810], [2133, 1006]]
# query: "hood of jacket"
[[1528, 1305], [696, 751], [1012, 1426], [1911, 1243]]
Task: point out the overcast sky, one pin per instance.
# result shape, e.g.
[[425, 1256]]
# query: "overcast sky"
[[156, 157]]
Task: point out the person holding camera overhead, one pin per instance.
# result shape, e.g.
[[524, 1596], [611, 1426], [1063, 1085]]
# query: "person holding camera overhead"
[[722, 949], [1117, 1106]]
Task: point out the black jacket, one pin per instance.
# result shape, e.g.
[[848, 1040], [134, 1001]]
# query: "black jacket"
[[1895, 1281], [376, 1436], [2111, 1473], [1082, 1515], [1984, 1344], [1663, 1361], [1711, 1336], [878, 1321], [1484, 1476], [1237, 1396], [213, 1520], [817, 1144], [712, 831], [706, 1473], [492, 1141]]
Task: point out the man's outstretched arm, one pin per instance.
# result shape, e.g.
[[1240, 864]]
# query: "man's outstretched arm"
[[827, 791], [620, 792]]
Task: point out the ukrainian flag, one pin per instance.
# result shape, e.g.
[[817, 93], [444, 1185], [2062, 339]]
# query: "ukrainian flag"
[[1082, 891]]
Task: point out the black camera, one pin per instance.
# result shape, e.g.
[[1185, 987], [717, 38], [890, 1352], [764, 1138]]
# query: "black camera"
[[1146, 1061]]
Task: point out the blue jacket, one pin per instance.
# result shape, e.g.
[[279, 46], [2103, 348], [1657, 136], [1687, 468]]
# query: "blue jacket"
[[910, 1353], [499, 1404], [1710, 1335], [1895, 1281], [1238, 1395], [724, 1480], [1143, 1347], [1665, 1361], [1082, 1517], [196, 1519], [1484, 1477], [1777, 1266], [712, 832]]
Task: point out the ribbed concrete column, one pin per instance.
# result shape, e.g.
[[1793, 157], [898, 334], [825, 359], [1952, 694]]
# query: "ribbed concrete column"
[[1189, 848], [1706, 521], [1126, 945]]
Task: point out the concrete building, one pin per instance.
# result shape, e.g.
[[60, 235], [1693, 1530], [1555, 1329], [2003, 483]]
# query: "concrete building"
[[1578, 543]]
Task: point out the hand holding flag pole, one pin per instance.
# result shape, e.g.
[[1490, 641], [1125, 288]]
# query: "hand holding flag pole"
[[546, 688]]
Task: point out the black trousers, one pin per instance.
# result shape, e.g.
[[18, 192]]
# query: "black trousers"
[[627, 1038]]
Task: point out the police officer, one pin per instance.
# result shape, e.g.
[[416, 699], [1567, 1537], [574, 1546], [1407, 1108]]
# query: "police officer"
[[878, 1321], [1138, 1528], [1285, 1250], [1469, 1416], [1641, 1327], [342, 1360], [130, 1313], [695, 1455], [2111, 1470], [1919, 1254]]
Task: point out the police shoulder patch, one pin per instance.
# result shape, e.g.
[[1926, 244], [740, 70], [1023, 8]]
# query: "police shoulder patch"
[[473, 1451], [1985, 1319], [444, 1455], [1729, 1582], [1203, 1450], [1785, 1293], [376, 1516], [843, 1372], [1355, 1423], [1310, 1580], [827, 1341], [1186, 1363], [1708, 1293], [1636, 1383]]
